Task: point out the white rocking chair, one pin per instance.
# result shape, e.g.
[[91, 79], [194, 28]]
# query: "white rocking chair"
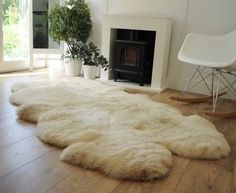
[[217, 53]]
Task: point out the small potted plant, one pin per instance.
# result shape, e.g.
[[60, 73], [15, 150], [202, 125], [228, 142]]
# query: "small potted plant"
[[72, 61], [71, 23], [89, 54]]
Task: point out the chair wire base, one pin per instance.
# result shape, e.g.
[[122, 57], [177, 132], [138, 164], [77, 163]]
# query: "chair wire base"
[[219, 82]]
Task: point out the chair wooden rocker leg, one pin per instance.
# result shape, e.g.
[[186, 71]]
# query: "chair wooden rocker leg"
[[217, 78]]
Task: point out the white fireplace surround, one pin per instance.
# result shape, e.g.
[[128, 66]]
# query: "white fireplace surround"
[[162, 27]]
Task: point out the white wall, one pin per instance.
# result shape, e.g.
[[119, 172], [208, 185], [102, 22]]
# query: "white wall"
[[214, 17], [98, 9]]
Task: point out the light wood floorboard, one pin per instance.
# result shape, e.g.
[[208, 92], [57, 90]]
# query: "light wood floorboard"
[[20, 153], [29, 166], [233, 188], [201, 177], [83, 181], [37, 176], [14, 133]]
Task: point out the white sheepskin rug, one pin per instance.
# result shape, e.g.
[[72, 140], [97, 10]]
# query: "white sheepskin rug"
[[126, 136]]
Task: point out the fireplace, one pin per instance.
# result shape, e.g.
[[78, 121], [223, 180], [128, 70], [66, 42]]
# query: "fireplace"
[[160, 26], [134, 55]]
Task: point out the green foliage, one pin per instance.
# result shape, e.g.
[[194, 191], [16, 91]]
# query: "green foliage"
[[10, 12], [11, 40], [10, 20], [89, 53], [70, 22]]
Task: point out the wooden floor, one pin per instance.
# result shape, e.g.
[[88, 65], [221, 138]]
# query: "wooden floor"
[[29, 166]]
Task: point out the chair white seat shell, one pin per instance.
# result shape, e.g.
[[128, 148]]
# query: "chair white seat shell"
[[210, 51]]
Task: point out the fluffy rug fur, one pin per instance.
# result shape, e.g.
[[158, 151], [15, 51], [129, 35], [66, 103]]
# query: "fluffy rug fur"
[[126, 136]]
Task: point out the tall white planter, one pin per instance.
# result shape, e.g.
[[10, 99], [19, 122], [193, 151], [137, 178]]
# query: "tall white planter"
[[72, 67], [90, 72]]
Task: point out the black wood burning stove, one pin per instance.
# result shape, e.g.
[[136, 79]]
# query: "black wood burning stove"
[[134, 55]]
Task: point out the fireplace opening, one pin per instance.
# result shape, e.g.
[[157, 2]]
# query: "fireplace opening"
[[134, 52]]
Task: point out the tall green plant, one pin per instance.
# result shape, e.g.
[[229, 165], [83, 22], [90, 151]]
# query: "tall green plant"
[[70, 22]]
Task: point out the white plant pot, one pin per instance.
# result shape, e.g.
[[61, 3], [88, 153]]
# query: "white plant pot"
[[90, 72], [72, 67]]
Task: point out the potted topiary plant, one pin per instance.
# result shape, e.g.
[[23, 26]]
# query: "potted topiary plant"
[[89, 54], [71, 23]]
